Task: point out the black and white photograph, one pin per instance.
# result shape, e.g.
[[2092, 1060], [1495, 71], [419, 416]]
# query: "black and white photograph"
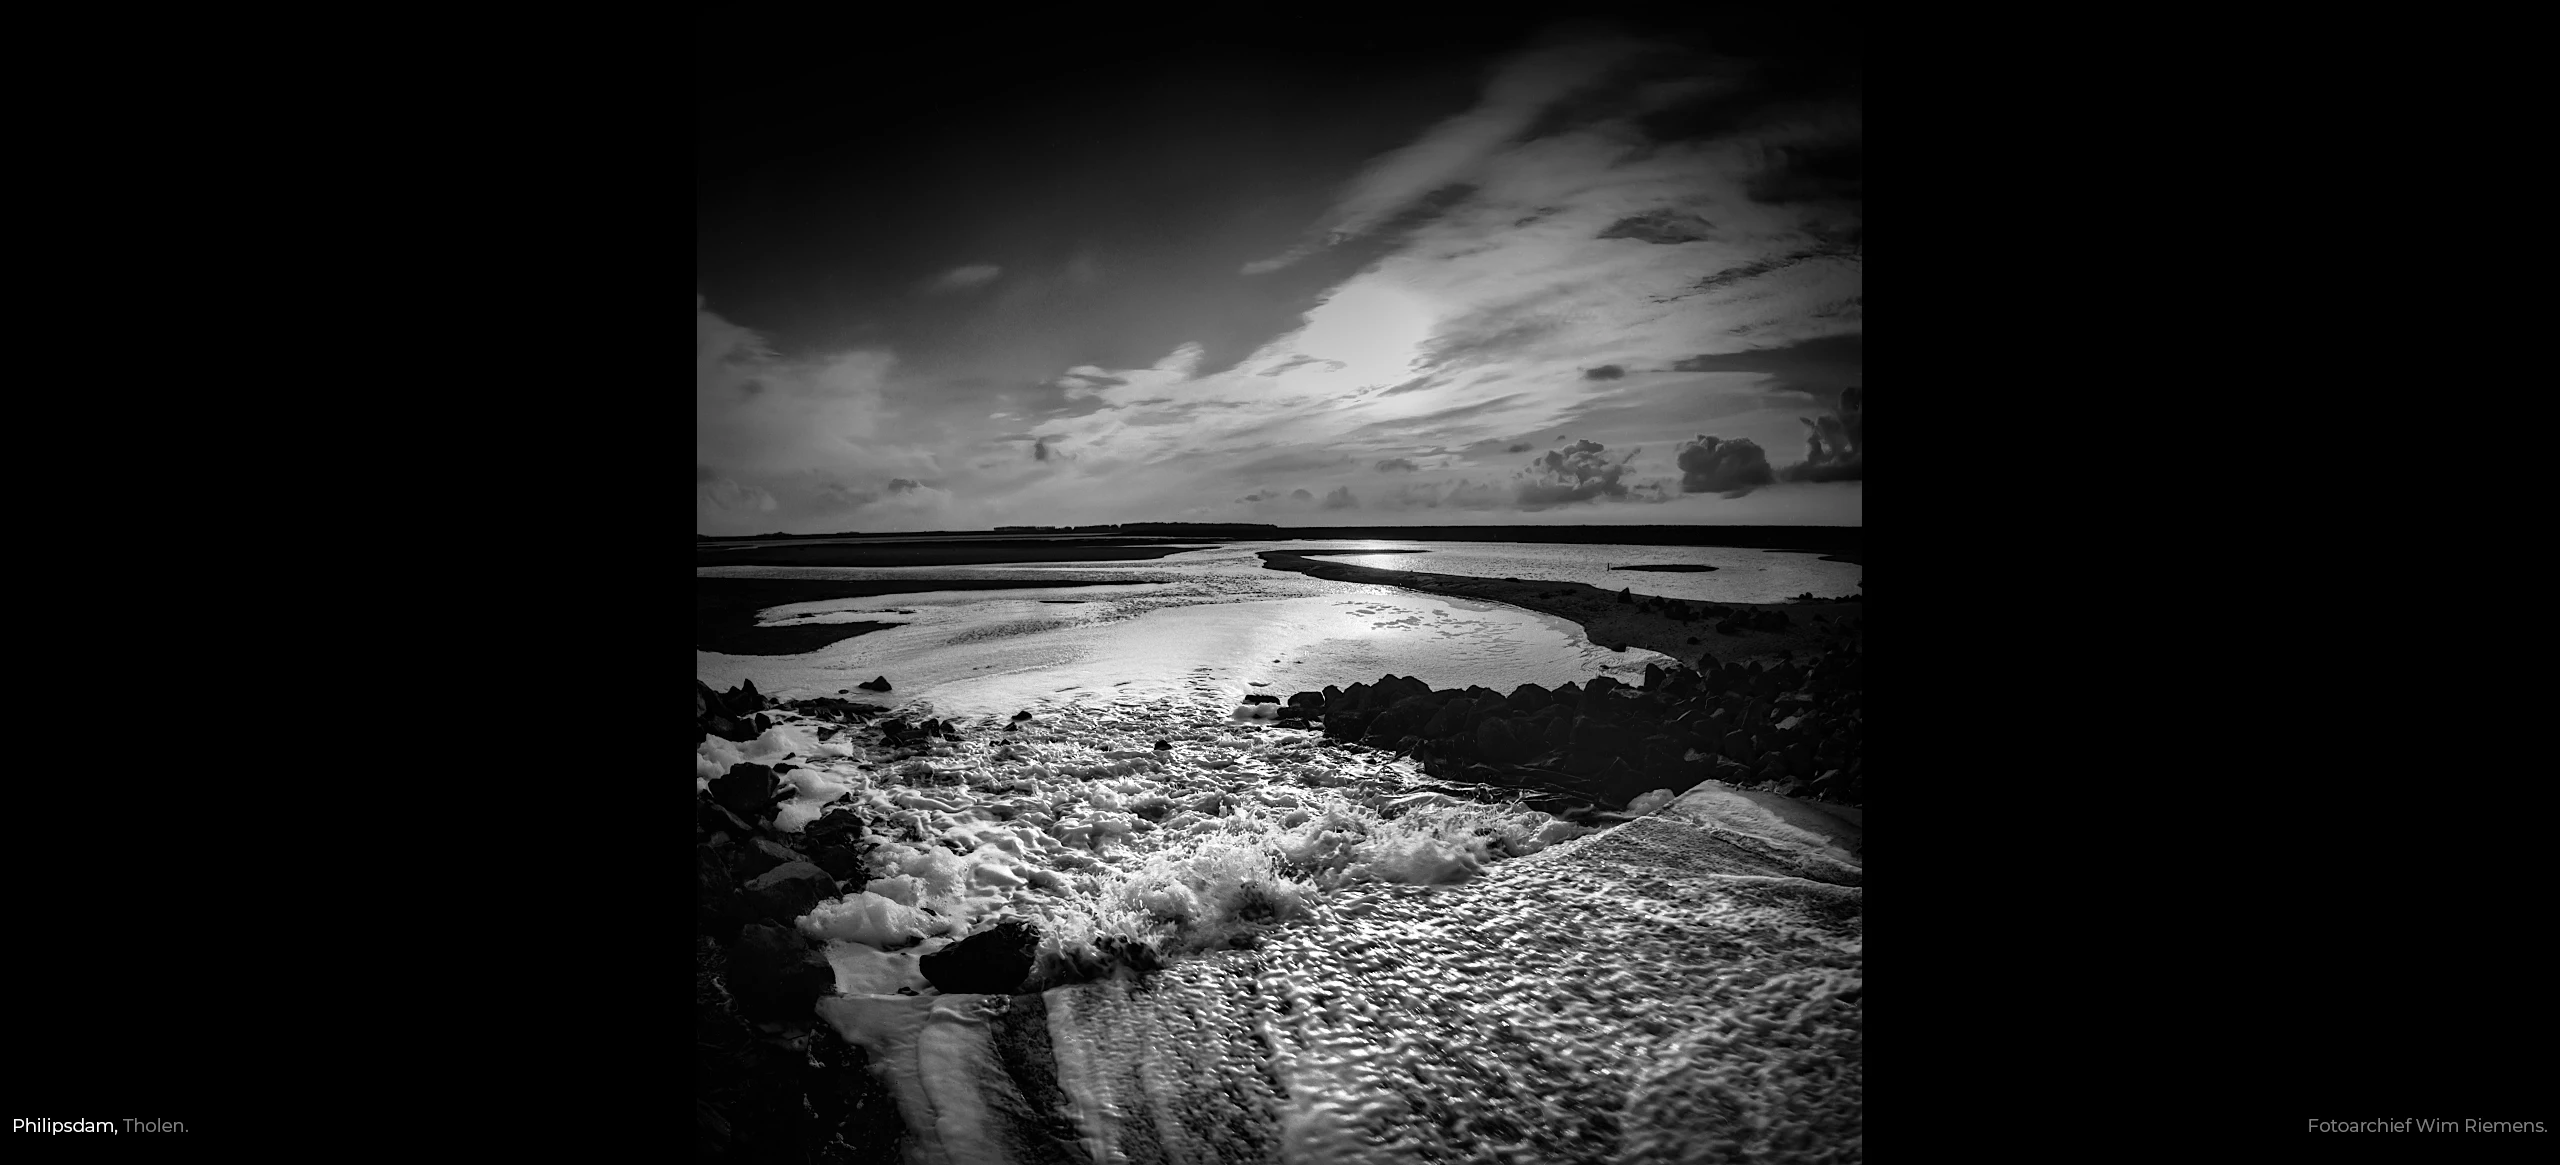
[[1292, 597]]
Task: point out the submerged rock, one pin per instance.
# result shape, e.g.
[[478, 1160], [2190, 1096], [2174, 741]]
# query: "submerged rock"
[[875, 684], [991, 962]]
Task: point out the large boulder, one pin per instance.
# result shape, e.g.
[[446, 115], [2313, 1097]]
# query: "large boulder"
[[1451, 718], [1496, 743], [1528, 698], [1654, 677], [763, 854], [748, 790], [1404, 719], [786, 891], [990, 962], [775, 973], [1569, 694]]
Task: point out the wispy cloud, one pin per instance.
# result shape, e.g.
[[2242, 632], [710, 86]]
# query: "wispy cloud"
[[964, 278], [1518, 91]]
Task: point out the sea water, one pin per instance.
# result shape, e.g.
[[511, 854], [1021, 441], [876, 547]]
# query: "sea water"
[[1363, 963]]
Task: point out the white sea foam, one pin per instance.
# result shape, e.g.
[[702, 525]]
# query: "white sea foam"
[[1432, 973]]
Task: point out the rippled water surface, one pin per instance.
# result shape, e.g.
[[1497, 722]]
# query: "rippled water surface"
[[1363, 964], [1218, 618]]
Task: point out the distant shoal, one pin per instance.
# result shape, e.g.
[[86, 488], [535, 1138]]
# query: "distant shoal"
[[724, 609], [1608, 622]]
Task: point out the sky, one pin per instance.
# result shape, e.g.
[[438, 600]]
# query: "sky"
[[1588, 272]]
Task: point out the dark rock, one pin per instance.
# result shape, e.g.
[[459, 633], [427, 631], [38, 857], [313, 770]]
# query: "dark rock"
[[875, 684], [1569, 695], [787, 891], [711, 816], [1625, 594], [1404, 719], [843, 861], [745, 698], [1654, 679], [1164, 746], [1311, 704], [1737, 744], [1528, 698], [1021, 716], [1261, 698], [748, 790], [1451, 718], [990, 962], [762, 855], [775, 973]]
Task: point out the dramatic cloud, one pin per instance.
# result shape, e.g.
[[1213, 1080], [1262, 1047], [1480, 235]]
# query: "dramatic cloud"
[[1836, 444], [1577, 473], [1715, 465], [1624, 240], [963, 278], [1450, 153]]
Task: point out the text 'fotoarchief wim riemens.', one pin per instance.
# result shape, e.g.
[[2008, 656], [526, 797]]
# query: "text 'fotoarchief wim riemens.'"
[[2413, 1125]]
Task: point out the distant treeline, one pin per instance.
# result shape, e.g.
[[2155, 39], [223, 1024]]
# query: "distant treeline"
[[1823, 539]]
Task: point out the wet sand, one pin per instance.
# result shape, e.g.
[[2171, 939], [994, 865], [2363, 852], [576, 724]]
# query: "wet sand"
[[724, 609]]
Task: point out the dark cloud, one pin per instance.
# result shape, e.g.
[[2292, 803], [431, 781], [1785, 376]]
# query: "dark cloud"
[[1040, 449], [1664, 226], [1415, 384], [1823, 366], [1575, 473], [1715, 465], [703, 473], [1603, 372], [1302, 495], [901, 484], [751, 386], [1836, 445], [1341, 499], [1757, 268], [1518, 447], [1397, 464], [835, 495]]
